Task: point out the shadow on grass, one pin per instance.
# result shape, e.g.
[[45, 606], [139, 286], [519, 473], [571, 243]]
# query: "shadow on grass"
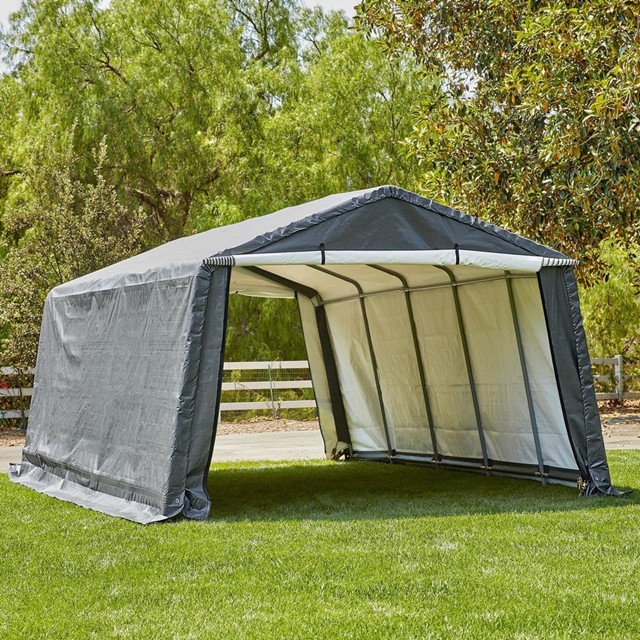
[[368, 490]]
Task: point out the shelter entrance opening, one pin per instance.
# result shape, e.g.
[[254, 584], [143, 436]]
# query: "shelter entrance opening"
[[446, 365]]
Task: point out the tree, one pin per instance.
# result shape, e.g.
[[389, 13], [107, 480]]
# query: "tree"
[[211, 111], [160, 82], [536, 124], [611, 306], [66, 228]]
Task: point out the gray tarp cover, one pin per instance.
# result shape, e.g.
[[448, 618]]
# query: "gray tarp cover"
[[130, 358]]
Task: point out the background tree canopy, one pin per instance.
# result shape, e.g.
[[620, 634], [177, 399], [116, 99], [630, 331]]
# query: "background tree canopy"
[[537, 121], [535, 126], [127, 126], [194, 114]]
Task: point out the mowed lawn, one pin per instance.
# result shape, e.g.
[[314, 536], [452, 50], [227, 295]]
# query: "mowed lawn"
[[326, 550]]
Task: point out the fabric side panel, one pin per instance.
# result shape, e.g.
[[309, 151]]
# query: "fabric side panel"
[[554, 440], [107, 384], [596, 454], [497, 372], [318, 373], [200, 397], [571, 358], [446, 374], [399, 374], [355, 369]]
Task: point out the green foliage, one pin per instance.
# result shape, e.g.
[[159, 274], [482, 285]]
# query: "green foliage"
[[328, 550], [211, 111], [611, 304], [536, 123], [346, 128], [64, 228], [262, 329]]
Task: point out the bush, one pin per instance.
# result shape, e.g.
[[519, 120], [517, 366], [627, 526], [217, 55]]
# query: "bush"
[[611, 304]]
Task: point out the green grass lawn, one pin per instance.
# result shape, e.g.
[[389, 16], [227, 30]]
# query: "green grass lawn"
[[325, 550]]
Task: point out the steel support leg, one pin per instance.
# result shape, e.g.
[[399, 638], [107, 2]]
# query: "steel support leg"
[[467, 360], [525, 377]]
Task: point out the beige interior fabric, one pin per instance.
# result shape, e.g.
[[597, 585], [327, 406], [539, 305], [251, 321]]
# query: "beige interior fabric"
[[493, 355], [556, 448], [318, 373], [399, 373], [355, 372]]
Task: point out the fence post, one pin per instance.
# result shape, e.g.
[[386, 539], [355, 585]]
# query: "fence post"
[[274, 411], [619, 377], [23, 419]]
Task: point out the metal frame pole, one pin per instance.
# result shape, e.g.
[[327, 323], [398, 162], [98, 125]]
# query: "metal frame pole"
[[525, 377], [467, 359]]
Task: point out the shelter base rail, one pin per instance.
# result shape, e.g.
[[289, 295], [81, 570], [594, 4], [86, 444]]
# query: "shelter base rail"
[[555, 475]]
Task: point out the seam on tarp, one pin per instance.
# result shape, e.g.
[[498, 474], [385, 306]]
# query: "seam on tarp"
[[55, 468], [216, 413], [164, 283], [62, 488]]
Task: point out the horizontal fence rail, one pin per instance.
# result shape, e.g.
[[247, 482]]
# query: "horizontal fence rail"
[[270, 369], [8, 410], [615, 383], [616, 378]]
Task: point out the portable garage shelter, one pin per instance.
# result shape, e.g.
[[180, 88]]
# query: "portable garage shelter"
[[432, 337]]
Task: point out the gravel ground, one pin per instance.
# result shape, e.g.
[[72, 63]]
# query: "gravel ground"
[[621, 421], [15, 437], [260, 425], [616, 419], [11, 438]]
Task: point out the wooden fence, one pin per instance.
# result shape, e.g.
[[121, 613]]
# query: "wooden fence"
[[271, 386], [614, 382], [614, 379], [22, 393]]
